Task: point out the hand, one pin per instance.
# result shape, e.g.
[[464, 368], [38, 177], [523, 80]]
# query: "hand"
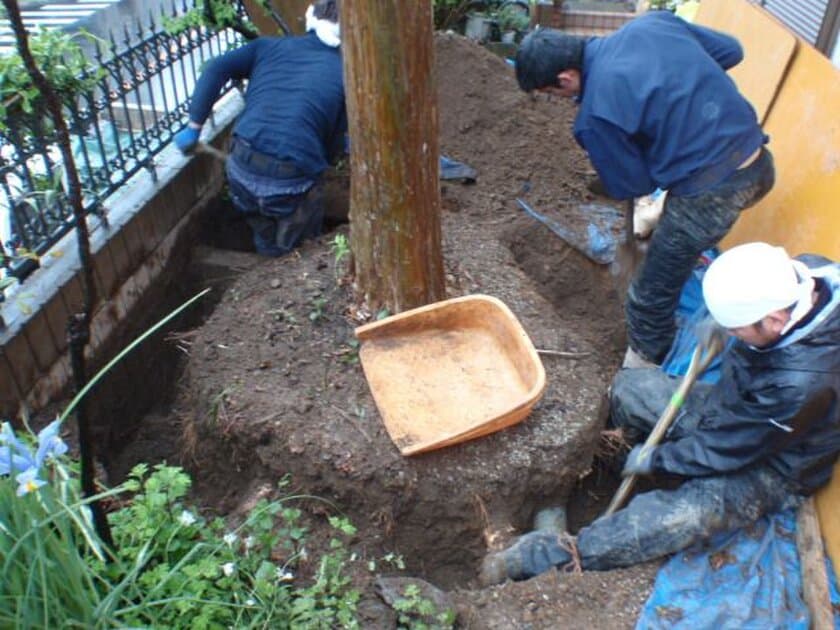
[[710, 334], [186, 139], [639, 461]]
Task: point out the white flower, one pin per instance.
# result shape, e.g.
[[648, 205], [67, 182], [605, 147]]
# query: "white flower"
[[250, 602], [228, 568], [283, 575], [249, 542], [186, 518], [229, 539]]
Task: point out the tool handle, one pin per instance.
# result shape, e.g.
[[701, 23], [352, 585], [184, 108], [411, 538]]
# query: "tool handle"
[[202, 147], [700, 360]]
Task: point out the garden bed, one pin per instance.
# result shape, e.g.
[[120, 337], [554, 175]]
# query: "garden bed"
[[272, 386]]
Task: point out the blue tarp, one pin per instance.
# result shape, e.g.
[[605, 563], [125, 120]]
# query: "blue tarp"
[[691, 311], [747, 579]]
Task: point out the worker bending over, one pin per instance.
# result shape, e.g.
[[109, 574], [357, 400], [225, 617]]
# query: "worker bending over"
[[765, 435], [657, 109], [294, 123]]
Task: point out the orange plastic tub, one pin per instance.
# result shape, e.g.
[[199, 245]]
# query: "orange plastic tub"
[[450, 372]]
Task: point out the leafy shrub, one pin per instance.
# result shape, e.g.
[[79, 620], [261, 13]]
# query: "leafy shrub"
[[63, 63], [170, 567]]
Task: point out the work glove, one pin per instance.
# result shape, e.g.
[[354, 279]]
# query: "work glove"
[[710, 334], [186, 139], [639, 461]]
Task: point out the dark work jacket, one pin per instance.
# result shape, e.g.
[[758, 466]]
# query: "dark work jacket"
[[657, 108], [294, 105], [776, 406]]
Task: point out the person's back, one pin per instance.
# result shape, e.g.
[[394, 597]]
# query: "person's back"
[[295, 101], [655, 80]]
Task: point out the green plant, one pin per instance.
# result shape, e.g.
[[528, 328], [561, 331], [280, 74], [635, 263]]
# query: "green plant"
[[316, 315], [202, 570], [340, 247], [169, 563], [418, 613], [47, 538], [62, 61], [220, 14], [349, 354], [512, 18]]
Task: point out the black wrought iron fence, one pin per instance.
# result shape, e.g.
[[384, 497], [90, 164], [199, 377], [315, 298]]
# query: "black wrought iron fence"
[[142, 79]]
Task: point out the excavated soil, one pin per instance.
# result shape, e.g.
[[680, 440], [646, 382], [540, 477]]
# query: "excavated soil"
[[272, 385]]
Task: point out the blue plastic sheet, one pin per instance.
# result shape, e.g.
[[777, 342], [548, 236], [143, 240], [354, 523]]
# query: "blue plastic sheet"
[[692, 310], [747, 580], [453, 169], [598, 243]]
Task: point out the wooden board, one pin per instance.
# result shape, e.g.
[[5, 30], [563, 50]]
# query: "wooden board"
[[768, 48]]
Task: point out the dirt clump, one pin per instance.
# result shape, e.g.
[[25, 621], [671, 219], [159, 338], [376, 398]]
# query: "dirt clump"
[[273, 387]]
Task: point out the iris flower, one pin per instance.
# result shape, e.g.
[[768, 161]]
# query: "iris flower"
[[17, 458], [28, 481]]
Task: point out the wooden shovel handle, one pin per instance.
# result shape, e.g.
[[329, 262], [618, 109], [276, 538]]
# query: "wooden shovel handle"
[[700, 360]]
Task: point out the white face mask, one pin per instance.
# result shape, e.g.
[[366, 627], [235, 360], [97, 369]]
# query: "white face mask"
[[328, 32]]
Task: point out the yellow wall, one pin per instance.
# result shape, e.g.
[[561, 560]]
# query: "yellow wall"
[[802, 212]]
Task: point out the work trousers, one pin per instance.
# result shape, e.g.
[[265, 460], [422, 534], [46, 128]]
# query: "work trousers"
[[689, 226], [661, 522], [282, 206]]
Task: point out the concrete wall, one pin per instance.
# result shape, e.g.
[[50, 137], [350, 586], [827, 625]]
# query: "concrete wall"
[[143, 238]]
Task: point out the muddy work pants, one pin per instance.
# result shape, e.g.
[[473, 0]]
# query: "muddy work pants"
[[661, 522], [689, 226]]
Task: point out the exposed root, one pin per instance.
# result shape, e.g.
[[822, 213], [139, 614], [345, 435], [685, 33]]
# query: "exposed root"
[[611, 443], [493, 538], [568, 542]]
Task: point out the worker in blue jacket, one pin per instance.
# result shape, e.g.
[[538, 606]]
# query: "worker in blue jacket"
[[294, 123], [765, 435], [657, 110]]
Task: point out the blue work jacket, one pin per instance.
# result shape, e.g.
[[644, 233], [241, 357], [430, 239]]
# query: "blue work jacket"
[[294, 104], [657, 108]]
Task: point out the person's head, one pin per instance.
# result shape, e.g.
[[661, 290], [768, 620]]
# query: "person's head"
[[322, 17], [551, 61], [326, 10], [757, 292]]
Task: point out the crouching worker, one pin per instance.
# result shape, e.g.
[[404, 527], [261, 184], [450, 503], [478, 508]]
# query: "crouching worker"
[[765, 435], [293, 124]]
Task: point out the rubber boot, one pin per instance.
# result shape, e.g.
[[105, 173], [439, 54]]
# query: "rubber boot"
[[533, 553]]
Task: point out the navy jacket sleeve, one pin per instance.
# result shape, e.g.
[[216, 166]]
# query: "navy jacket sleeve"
[[723, 48], [619, 160], [235, 64], [729, 438]]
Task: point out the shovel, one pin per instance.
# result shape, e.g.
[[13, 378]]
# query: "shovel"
[[700, 360]]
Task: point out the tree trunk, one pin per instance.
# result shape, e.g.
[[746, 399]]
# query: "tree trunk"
[[395, 196]]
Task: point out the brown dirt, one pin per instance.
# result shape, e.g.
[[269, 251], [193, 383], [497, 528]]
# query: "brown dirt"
[[273, 387]]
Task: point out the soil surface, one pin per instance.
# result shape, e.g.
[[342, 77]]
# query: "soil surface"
[[272, 385]]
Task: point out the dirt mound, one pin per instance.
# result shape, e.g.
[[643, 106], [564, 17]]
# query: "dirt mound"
[[273, 386]]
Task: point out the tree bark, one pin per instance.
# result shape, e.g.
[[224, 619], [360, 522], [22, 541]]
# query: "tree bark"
[[394, 194]]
